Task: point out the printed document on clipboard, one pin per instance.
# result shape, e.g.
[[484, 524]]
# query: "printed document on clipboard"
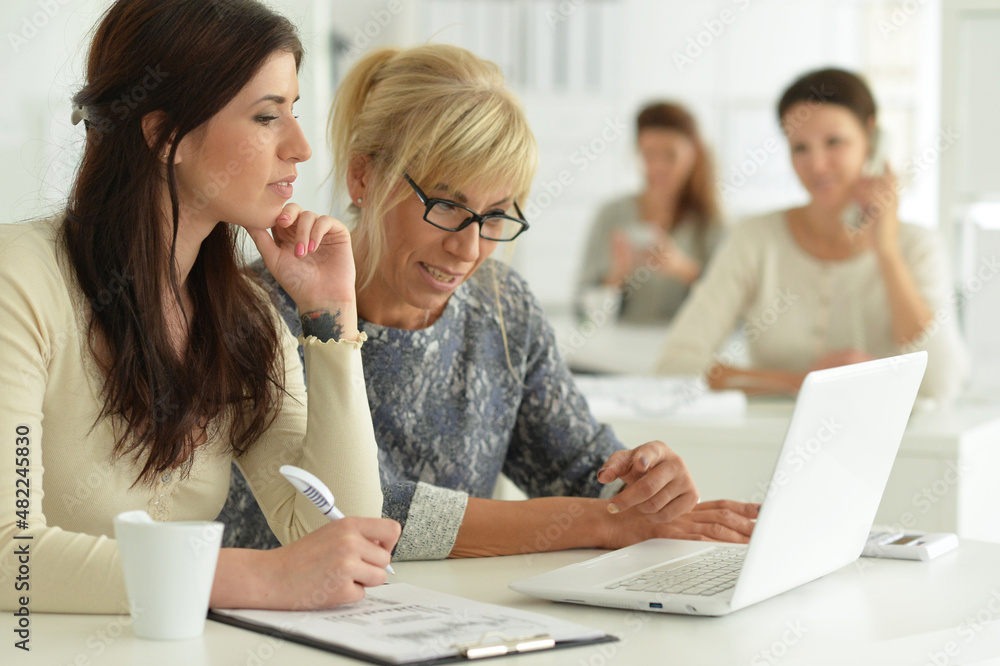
[[404, 624]]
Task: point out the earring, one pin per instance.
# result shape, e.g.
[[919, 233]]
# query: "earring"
[[166, 155], [358, 200]]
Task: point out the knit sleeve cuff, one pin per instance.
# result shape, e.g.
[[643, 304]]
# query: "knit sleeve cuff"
[[310, 340], [432, 525]]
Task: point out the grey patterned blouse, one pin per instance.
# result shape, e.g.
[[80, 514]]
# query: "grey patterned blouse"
[[451, 412]]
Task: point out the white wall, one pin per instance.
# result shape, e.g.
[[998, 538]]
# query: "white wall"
[[970, 183], [42, 51]]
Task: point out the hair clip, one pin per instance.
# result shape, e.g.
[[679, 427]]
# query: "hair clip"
[[79, 113]]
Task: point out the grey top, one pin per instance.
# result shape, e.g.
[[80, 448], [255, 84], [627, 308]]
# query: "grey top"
[[647, 297], [451, 412]]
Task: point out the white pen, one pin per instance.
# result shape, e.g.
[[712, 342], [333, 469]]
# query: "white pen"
[[317, 493]]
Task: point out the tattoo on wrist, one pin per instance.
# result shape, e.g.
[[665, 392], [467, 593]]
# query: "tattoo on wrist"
[[322, 324]]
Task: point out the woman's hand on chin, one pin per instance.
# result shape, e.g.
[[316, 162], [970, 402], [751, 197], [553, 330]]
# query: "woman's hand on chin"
[[310, 256]]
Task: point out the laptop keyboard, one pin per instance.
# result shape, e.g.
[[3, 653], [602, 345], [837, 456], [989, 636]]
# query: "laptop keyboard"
[[704, 575]]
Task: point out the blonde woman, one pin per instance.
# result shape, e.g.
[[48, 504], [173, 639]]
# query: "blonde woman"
[[463, 375]]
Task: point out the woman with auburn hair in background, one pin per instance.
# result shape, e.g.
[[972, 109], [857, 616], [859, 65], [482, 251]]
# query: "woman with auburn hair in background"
[[464, 379], [645, 250], [137, 352], [838, 280]]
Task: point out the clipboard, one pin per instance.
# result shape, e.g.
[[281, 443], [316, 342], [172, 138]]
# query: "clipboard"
[[371, 630]]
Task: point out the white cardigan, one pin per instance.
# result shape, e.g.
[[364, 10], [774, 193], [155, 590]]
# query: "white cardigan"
[[794, 308]]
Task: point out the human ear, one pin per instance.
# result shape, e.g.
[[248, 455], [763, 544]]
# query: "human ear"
[[151, 123], [358, 173]]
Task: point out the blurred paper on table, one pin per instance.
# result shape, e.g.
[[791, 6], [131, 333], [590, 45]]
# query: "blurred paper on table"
[[643, 397]]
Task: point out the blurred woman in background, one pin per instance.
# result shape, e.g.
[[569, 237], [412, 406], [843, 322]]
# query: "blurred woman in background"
[[646, 249], [838, 280]]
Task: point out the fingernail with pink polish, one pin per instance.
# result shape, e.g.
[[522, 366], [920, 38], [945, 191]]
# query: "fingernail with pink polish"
[[284, 218], [312, 245], [300, 249]]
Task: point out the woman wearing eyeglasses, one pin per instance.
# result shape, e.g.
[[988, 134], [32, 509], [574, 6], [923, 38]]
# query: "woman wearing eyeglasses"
[[463, 376]]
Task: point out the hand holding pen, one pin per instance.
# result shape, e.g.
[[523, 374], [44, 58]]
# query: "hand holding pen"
[[317, 493]]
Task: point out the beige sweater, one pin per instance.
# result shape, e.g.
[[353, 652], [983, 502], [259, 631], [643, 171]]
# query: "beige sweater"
[[793, 308], [50, 386]]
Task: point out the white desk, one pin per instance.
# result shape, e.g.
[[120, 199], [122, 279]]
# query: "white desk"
[[610, 348], [870, 612], [946, 476], [614, 348]]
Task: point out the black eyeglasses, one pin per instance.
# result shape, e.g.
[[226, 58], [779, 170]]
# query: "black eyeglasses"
[[452, 216]]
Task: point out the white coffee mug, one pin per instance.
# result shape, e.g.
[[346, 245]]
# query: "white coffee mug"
[[169, 569]]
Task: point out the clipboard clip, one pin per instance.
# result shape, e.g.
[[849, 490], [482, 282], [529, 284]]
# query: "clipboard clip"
[[495, 644]]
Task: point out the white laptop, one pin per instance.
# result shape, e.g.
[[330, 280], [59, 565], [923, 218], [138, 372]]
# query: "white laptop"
[[822, 499]]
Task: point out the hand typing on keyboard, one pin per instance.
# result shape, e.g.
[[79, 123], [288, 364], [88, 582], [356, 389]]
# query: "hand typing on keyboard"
[[658, 482], [660, 501], [719, 520]]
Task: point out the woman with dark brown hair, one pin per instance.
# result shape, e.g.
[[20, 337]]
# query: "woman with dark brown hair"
[[835, 281], [139, 360], [646, 249]]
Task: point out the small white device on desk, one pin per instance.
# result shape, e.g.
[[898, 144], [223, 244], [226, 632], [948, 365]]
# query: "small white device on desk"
[[909, 545]]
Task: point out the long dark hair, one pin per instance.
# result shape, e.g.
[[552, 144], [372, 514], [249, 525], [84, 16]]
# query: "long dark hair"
[[698, 200], [185, 59]]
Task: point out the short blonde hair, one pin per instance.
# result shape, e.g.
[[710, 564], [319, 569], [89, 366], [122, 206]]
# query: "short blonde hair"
[[438, 112]]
